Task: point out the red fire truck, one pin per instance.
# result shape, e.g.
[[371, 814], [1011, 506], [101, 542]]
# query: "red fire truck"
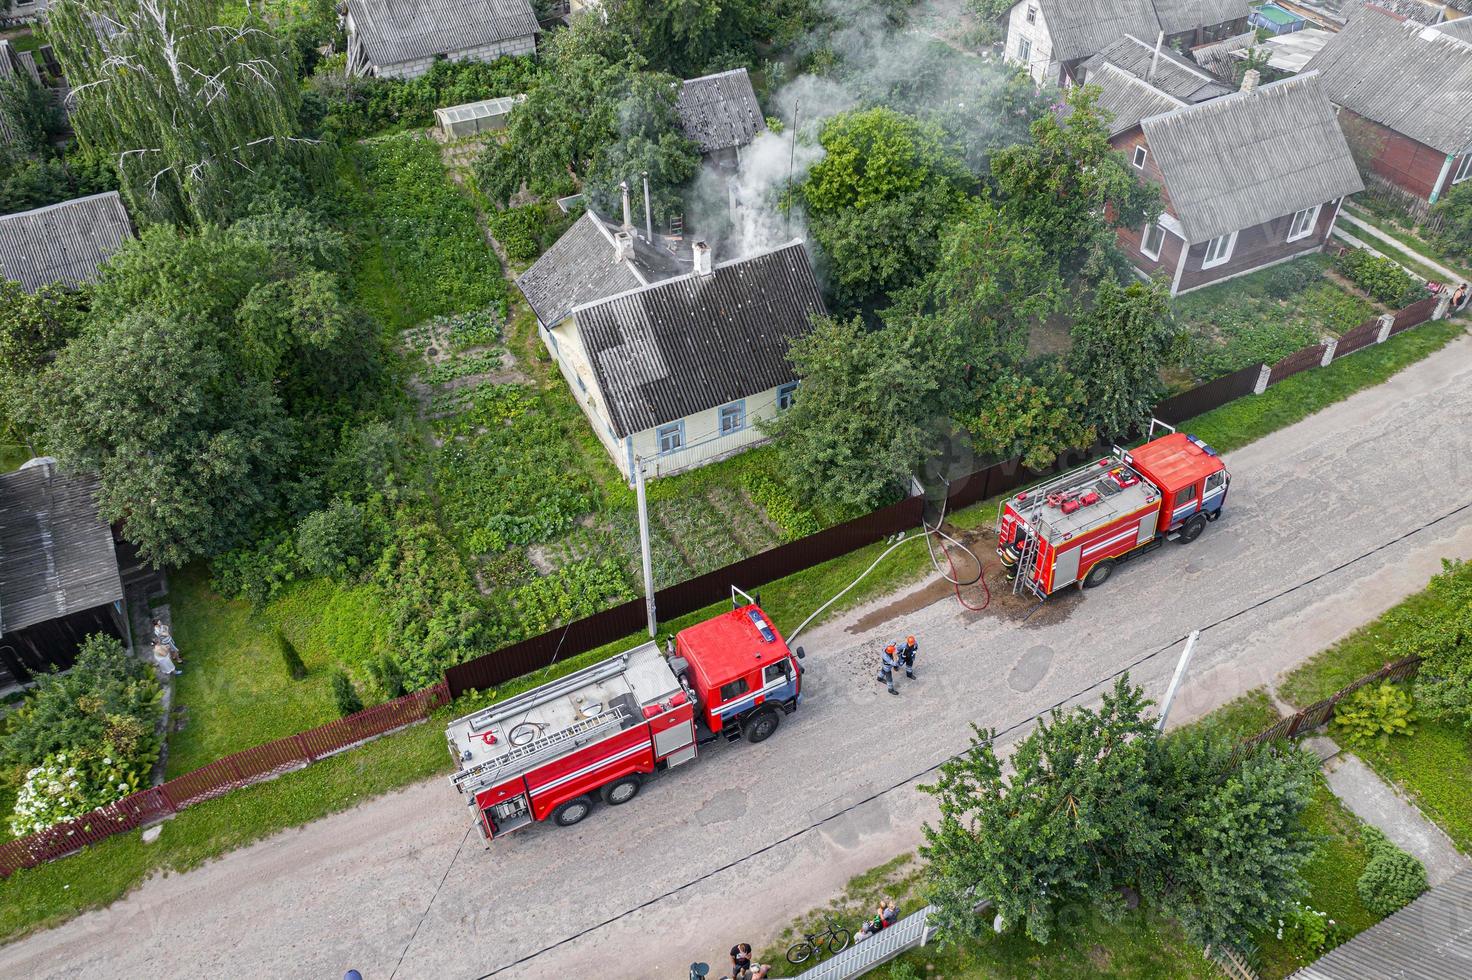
[[598, 732], [1076, 528]]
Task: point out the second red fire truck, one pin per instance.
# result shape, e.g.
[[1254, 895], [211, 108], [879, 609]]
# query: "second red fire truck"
[[595, 734], [1075, 529]]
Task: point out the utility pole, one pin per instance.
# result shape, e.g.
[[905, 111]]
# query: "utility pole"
[[644, 544], [791, 161], [1175, 682]]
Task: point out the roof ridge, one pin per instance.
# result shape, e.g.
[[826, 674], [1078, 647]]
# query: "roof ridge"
[[714, 74], [683, 277], [62, 204], [1233, 98], [1131, 78]]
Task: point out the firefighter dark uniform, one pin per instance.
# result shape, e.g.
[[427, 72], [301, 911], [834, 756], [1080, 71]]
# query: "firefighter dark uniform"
[[888, 661], [907, 656]]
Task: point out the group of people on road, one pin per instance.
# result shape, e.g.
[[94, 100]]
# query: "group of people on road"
[[897, 655]]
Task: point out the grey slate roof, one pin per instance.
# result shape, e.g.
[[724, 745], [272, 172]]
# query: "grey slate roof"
[[1170, 73], [692, 343], [582, 266], [63, 242], [1430, 939], [720, 111], [1184, 15], [1217, 57], [56, 554], [1415, 80], [1083, 28], [395, 31], [1250, 157], [1127, 97]]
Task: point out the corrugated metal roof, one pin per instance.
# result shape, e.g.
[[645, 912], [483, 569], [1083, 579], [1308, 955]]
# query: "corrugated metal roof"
[[583, 266], [63, 242], [1083, 28], [1430, 939], [695, 342], [1218, 58], [56, 553], [1169, 72], [720, 111], [1250, 157], [394, 31], [1412, 79], [1184, 15], [1127, 97]]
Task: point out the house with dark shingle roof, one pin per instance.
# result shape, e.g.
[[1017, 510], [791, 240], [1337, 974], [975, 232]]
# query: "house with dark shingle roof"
[[65, 242], [394, 39], [674, 370], [719, 113], [1405, 97], [59, 579], [1159, 67], [1248, 180], [1052, 38]]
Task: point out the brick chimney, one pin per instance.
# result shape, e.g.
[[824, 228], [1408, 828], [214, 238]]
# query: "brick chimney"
[[1249, 80], [702, 259], [623, 245]]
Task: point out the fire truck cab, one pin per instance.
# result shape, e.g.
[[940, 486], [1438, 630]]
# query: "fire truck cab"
[[1077, 528], [596, 733]]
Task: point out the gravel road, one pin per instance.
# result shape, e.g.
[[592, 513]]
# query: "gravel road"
[[1329, 522]]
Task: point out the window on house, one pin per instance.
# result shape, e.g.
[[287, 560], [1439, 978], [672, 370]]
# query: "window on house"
[[1024, 50], [1140, 154], [1303, 223], [1464, 170], [1032, 14], [786, 396], [671, 437], [1218, 250], [1152, 241], [733, 417], [734, 689]]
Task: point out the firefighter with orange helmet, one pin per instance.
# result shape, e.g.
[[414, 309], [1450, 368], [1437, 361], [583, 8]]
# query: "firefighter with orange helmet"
[[907, 656], [888, 661]]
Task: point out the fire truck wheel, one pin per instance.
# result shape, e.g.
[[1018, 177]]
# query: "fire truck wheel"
[[1099, 574], [760, 726], [572, 811], [621, 790], [1193, 529]]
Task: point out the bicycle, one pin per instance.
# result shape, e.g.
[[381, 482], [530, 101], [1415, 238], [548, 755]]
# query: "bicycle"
[[834, 938]]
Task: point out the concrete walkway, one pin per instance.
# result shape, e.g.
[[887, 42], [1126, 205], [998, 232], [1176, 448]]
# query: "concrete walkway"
[[1363, 229], [1379, 804]]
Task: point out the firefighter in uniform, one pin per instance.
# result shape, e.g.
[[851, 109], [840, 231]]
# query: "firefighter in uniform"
[[888, 661], [907, 656]]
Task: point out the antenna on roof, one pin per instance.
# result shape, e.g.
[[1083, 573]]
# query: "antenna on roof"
[[791, 158], [1155, 59]]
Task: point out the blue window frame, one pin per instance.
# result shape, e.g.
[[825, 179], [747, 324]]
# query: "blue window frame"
[[733, 417], [786, 395], [670, 437]]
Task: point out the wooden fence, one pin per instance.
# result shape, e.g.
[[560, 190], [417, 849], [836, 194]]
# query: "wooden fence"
[[273, 758], [253, 765]]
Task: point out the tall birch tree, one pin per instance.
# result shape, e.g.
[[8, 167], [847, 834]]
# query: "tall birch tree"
[[181, 102]]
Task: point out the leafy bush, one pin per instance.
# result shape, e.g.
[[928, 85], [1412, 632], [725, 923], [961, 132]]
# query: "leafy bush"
[[68, 786], [1455, 211], [519, 231], [345, 695], [290, 659], [338, 541], [1383, 279], [576, 590], [256, 574], [390, 676], [1391, 879], [1440, 632], [352, 107], [1375, 711], [782, 507], [1307, 929]]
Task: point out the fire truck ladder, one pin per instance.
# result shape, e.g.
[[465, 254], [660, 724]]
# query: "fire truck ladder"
[[532, 753]]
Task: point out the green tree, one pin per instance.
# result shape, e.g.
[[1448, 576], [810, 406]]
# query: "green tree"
[[651, 141], [1035, 417], [1071, 824], [30, 117], [183, 102], [1119, 347], [1237, 843], [1455, 212], [1069, 187], [33, 327], [683, 37], [1441, 633], [871, 405], [879, 199]]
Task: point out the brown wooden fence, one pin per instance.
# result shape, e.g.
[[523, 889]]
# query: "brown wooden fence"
[[1321, 712], [252, 765], [1418, 312], [1362, 336]]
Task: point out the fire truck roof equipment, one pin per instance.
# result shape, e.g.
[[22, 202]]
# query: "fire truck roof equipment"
[[1112, 499], [1176, 460], [734, 642]]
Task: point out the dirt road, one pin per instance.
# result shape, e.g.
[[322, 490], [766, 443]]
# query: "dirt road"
[[1329, 522]]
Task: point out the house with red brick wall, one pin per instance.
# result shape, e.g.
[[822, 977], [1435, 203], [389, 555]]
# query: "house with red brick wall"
[[1248, 180], [1404, 92]]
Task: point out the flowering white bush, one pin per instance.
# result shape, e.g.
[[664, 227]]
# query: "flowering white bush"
[[69, 785]]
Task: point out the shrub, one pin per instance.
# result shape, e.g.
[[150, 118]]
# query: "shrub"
[[70, 785], [345, 694], [1307, 930], [256, 574], [290, 659], [1380, 277], [519, 231], [1455, 212], [390, 676], [1391, 880], [335, 542], [1375, 711], [782, 507]]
